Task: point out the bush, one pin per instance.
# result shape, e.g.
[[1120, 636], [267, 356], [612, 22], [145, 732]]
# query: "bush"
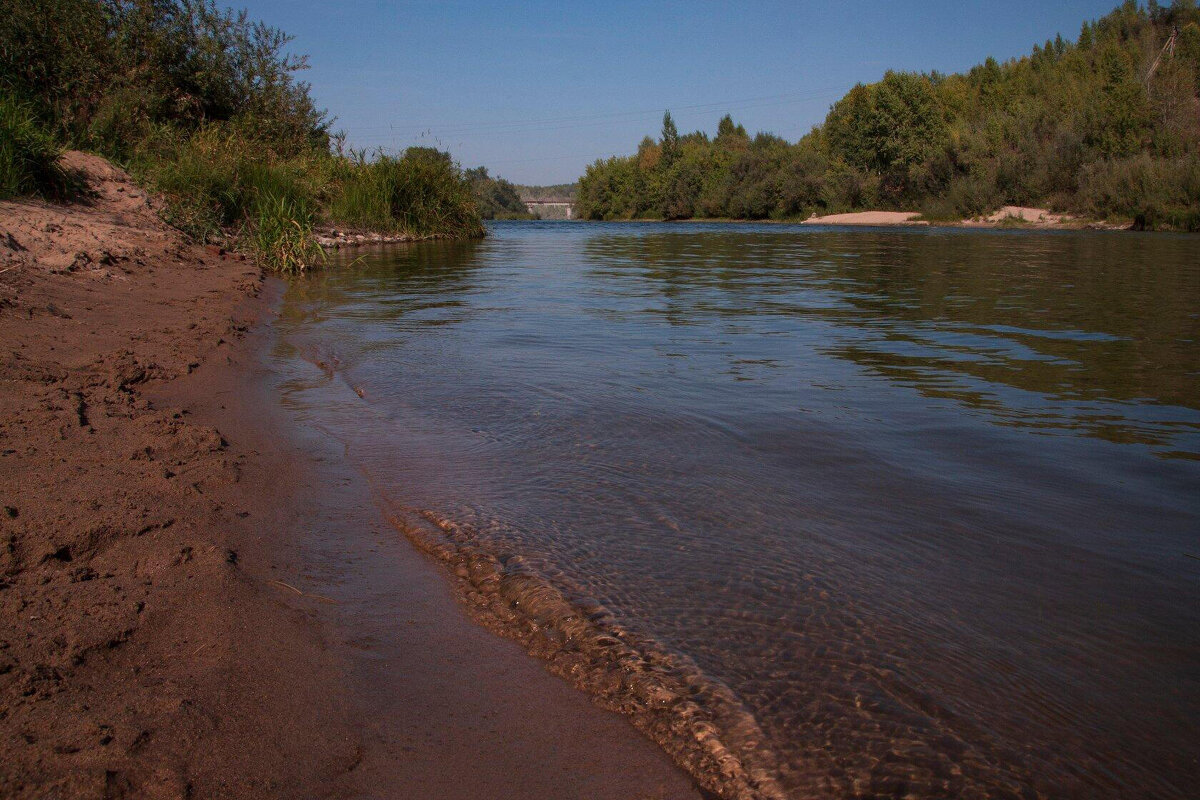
[[108, 68], [846, 188], [28, 155], [1156, 193], [280, 232], [421, 193]]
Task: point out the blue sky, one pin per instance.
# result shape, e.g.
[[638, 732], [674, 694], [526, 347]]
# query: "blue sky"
[[535, 91]]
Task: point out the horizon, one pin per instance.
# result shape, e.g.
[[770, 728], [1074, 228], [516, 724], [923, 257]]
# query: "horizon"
[[537, 93]]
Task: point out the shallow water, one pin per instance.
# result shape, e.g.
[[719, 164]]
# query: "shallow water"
[[919, 510]]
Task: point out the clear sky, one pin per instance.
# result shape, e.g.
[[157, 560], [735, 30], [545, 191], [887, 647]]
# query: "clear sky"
[[535, 91]]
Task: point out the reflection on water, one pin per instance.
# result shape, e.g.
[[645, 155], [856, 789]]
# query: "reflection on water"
[[1073, 319], [923, 503]]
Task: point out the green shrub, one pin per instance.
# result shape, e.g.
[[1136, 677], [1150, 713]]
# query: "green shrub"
[[280, 232], [213, 180], [421, 193], [1155, 193], [29, 156]]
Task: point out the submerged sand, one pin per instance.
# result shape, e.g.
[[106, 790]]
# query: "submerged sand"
[[196, 601]]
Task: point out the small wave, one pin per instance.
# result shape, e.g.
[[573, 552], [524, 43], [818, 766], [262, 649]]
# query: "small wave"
[[697, 720]]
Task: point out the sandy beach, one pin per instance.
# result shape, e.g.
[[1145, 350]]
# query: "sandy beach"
[[868, 218], [1008, 216], [197, 601]]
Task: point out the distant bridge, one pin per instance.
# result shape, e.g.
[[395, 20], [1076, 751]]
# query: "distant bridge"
[[552, 209]]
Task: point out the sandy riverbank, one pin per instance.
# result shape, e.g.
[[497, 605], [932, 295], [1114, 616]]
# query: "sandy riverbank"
[[189, 610], [1008, 216], [868, 218]]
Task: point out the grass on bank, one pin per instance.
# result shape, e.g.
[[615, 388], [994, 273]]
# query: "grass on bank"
[[219, 185], [281, 234], [29, 155], [421, 193]]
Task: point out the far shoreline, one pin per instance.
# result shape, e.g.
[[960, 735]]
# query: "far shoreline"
[[871, 219]]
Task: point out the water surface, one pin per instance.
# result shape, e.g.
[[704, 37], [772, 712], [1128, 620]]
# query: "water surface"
[[924, 504]]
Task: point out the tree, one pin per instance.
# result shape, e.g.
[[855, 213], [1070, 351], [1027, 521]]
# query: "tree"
[[888, 126], [494, 197], [1121, 115], [726, 130], [1074, 125], [670, 141]]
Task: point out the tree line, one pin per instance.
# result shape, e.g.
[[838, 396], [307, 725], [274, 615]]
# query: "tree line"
[[1106, 126]]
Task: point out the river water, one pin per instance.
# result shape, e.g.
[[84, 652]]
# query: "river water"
[[880, 513]]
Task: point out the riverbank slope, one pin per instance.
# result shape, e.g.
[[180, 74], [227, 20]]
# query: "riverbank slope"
[[135, 640]]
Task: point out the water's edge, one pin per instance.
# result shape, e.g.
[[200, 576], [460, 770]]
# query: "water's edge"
[[694, 718]]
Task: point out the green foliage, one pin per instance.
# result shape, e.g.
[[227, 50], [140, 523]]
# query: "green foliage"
[[421, 193], [1078, 126], [57, 54], [670, 141], [558, 191], [108, 70], [204, 104], [727, 131], [213, 178], [280, 232], [28, 155], [888, 127], [495, 198], [1154, 192]]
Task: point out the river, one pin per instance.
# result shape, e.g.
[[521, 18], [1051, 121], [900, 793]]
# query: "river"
[[908, 512]]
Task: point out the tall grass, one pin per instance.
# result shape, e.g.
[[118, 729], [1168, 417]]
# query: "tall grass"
[[222, 186], [200, 178], [421, 193], [280, 233], [29, 156], [219, 183]]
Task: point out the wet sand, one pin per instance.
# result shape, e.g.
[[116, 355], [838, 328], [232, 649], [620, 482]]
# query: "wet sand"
[[199, 599]]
